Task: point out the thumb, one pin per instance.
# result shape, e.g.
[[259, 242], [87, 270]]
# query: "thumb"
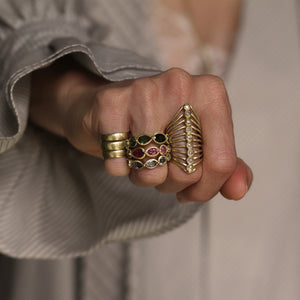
[[239, 182]]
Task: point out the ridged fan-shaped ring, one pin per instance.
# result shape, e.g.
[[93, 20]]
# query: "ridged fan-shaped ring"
[[185, 139]]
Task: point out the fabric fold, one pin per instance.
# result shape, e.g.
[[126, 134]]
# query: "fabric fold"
[[56, 201]]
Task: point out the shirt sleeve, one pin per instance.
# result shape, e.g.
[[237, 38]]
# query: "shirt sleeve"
[[35, 33], [56, 201]]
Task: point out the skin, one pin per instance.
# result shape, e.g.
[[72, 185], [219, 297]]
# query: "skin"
[[68, 101]]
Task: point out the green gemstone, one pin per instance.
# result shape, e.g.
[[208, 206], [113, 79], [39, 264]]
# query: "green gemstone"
[[159, 138], [144, 139], [132, 142]]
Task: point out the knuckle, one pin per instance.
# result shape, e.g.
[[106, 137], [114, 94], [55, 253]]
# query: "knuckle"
[[110, 98], [215, 88], [223, 162], [180, 82], [88, 125], [145, 89], [214, 81]]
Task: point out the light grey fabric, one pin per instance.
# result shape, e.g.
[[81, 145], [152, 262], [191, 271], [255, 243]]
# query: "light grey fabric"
[[106, 273], [55, 201], [250, 250], [47, 280]]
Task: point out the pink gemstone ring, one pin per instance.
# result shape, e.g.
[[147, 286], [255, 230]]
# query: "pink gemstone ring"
[[147, 151]]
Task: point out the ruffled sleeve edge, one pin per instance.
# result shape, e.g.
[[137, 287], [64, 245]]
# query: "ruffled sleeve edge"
[[111, 63]]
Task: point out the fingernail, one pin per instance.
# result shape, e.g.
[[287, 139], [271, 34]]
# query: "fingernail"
[[249, 178]]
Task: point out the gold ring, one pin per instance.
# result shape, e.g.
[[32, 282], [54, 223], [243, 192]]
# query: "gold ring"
[[113, 144], [118, 145], [185, 139], [114, 154], [118, 136], [150, 163], [138, 155], [144, 139]]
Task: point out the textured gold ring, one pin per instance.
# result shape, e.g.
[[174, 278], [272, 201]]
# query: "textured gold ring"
[[185, 139], [114, 154], [118, 136], [114, 144], [118, 145]]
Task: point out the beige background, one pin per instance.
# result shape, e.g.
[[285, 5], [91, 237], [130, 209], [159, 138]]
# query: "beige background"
[[255, 243]]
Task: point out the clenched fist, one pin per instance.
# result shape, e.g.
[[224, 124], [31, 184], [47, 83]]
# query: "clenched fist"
[[81, 107]]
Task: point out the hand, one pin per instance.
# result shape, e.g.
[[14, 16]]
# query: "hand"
[[146, 106]]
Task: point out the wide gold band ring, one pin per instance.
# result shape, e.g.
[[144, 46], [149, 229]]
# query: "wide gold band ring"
[[113, 144], [118, 145], [114, 154], [118, 136]]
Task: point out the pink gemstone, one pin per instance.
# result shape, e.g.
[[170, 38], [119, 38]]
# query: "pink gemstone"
[[138, 152], [163, 149], [152, 151]]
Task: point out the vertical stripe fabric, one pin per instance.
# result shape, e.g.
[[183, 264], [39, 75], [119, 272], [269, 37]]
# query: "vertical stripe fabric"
[[58, 203]]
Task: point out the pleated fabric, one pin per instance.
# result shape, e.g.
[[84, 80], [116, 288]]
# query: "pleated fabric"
[[105, 272], [56, 201]]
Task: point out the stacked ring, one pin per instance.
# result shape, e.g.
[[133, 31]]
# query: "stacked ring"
[[185, 139], [182, 143], [138, 154], [114, 144]]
